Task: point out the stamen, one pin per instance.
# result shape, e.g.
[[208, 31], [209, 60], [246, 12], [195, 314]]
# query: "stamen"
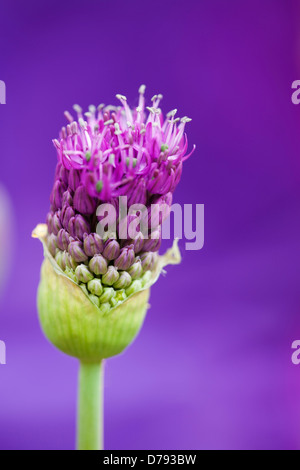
[[121, 97], [185, 119], [82, 123], [172, 113], [117, 129], [77, 108], [108, 122], [68, 116], [92, 109]]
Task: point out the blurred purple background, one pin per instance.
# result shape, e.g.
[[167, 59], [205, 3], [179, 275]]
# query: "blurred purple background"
[[212, 366]]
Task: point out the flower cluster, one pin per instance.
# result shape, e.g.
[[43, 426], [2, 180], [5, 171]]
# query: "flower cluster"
[[106, 153]]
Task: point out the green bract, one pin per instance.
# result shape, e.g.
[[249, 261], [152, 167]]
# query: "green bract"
[[78, 323]]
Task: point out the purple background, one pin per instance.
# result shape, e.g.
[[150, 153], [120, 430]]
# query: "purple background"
[[212, 367]]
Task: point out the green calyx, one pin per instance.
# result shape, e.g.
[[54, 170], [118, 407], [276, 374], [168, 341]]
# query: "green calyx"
[[86, 319]]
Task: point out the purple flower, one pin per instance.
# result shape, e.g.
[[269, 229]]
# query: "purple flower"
[[106, 153], [121, 151]]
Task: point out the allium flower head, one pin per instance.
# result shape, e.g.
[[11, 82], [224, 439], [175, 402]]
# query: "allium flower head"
[[105, 153], [111, 151]]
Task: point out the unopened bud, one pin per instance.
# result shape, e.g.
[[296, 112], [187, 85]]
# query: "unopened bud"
[[83, 274], [119, 298], [65, 260], [94, 299], [59, 260], [108, 293], [66, 215], [124, 280], [137, 242], [95, 287], [57, 193], [52, 244], [63, 239], [147, 260], [83, 203], [49, 222], [70, 273], [84, 288], [136, 286], [78, 226], [153, 243], [136, 270], [125, 258], [93, 244], [105, 308], [111, 249], [111, 276], [56, 223], [98, 265], [67, 199], [71, 262], [76, 251], [74, 179], [146, 279]]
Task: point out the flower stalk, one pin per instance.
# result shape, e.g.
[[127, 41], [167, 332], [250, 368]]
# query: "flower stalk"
[[90, 407]]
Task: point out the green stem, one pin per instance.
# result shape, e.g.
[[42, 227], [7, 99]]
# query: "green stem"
[[90, 407]]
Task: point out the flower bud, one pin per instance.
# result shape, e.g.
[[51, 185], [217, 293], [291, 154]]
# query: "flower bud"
[[78, 226], [83, 203], [74, 179], [123, 281], [84, 288], [83, 274], [62, 174], [65, 260], [105, 308], [146, 278], [70, 273], [134, 287], [67, 214], [111, 249], [93, 244], [108, 293], [52, 244], [159, 210], [71, 262], [56, 224], [57, 193], [125, 258], [111, 276], [136, 269], [63, 240], [119, 298], [49, 222], [147, 260], [153, 243], [98, 265], [60, 261], [76, 251], [95, 287], [94, 299], [137, 242], [67, 199]]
